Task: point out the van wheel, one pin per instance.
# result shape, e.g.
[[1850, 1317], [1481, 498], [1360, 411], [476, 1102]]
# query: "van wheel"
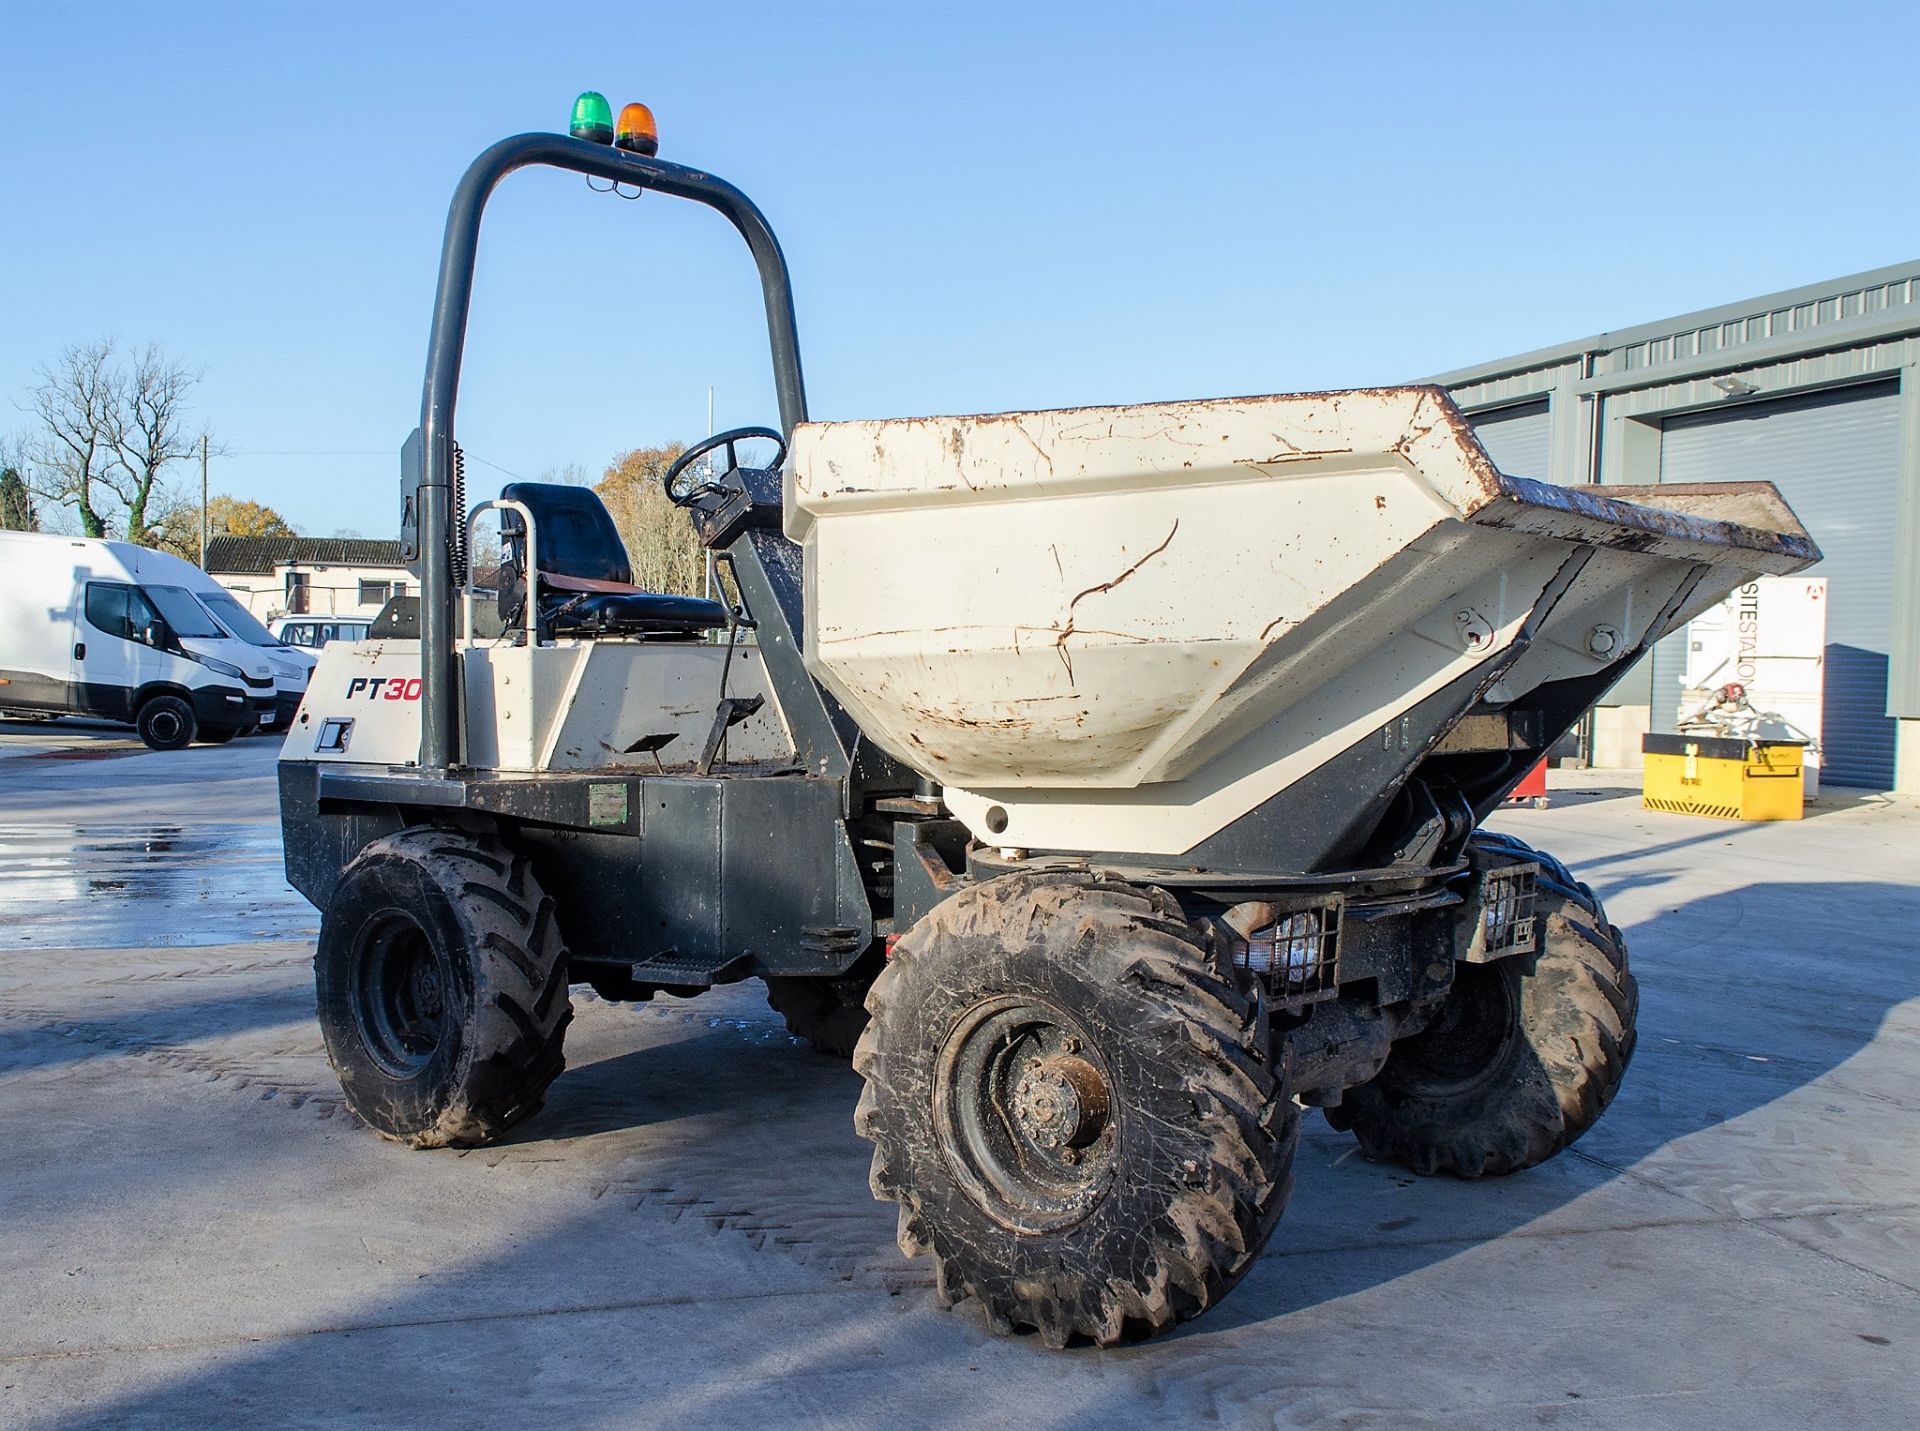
[[167, 723]]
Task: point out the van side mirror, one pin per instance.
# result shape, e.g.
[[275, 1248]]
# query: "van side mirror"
[[154, 633]]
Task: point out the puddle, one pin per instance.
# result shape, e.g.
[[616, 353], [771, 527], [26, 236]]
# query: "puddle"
[[103, 886]]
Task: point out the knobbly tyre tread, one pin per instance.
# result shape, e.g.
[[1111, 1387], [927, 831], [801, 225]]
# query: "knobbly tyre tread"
[[1579, 1004], [830, 1014], [514, 1007], [1188, 1210]]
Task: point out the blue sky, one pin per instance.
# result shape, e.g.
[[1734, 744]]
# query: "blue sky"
[[985, 207]]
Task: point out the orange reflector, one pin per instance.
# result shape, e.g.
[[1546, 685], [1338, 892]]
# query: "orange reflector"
[[636, 131]]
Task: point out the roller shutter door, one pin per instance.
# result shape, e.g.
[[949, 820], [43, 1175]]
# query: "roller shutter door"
[[1835, 458], [1515, 437]]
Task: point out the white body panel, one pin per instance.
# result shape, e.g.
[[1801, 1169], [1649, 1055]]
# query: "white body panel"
[[362, 705], [54, 659], [570, 705], [583, 705], [1123, 628]]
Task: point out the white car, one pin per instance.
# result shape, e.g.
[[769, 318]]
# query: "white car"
[[313, 632]]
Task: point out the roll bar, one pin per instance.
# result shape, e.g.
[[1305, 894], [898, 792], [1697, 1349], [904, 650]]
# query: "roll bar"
[[530, 609], [439, 714]]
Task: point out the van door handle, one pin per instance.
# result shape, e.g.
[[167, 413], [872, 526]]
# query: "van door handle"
[[79, 650]]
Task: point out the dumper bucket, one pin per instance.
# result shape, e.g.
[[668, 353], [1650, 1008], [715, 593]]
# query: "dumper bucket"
[[1126, 628]]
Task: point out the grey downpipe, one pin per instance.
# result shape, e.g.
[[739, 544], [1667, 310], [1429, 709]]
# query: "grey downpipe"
[[439, 714]]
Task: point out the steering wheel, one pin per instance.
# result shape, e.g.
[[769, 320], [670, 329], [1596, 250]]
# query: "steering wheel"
[[682, 488]]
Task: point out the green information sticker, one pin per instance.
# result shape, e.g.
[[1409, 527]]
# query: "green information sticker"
[[606, 804]]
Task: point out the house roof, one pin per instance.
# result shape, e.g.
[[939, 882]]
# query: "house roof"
[[260, 555]]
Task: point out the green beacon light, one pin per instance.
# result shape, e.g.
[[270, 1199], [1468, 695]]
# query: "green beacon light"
[[592, 118]]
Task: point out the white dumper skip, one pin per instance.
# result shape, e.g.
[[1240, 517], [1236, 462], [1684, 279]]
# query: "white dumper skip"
[[1124, 628]]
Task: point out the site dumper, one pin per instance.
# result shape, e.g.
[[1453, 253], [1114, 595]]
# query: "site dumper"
[[1106, 782]]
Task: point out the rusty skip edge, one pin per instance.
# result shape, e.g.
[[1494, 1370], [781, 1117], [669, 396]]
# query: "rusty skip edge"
[[1626, 524], [1640, 528], [1428, 408], [1175, 408]]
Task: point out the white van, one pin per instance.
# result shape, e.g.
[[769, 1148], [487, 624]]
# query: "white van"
[[291, 666], [116, 631]]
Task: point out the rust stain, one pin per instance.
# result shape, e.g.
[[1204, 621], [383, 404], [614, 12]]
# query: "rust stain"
[[1298, 454]]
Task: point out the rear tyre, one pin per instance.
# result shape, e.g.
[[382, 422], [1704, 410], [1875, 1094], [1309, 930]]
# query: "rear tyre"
[[1523, 1057], [830, 1014], [442, 988], [167, 723], [1069, 1098]]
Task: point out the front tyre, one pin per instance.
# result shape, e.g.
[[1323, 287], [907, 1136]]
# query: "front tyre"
[[167, 723], [1523, 1057], [1070, 1100], [442, 988]]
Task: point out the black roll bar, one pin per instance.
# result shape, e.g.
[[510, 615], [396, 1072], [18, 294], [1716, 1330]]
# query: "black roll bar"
[[439, 706]]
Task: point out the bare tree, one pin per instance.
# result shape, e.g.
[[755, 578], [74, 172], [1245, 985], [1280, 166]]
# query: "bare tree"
[[73, 448], [107, 434], [148, 431]]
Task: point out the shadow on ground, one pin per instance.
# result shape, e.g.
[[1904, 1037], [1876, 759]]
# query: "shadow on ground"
[[1730, 1025]]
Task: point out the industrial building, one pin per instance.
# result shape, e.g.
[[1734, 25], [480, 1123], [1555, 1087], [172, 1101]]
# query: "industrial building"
[[1816, 390]]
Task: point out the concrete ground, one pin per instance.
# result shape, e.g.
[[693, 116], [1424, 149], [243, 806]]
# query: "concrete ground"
[[195, 1232]]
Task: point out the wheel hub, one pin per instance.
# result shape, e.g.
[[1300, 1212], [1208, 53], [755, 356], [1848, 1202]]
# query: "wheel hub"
[[1060, 1102], [1024, 1109], [1470, 1036], [400, 996]]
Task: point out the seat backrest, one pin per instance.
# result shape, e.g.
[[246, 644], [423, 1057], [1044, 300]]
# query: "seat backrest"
[[574, 532]]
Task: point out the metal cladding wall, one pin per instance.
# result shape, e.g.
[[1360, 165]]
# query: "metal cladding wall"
[[1517, 438], [1816, 390], [1835, 456]]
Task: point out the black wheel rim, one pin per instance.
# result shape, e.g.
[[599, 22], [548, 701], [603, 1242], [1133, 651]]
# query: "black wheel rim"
[[1025, 1114], [1470, 1038], [399, 994], [165, 726]]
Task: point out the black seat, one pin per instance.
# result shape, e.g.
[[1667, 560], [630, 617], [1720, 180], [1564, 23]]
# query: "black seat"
[[585, 582]]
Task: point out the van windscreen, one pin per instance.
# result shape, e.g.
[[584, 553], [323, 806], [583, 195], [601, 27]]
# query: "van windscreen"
[[185, 615], [237, 619]]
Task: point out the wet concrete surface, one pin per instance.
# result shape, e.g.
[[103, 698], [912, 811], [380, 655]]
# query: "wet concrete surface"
[[197, 1233]]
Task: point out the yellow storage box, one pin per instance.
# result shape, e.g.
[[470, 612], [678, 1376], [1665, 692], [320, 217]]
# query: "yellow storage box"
[[1724, 777]]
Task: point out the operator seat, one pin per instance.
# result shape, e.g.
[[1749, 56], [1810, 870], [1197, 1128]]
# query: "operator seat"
[[585, 584]]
